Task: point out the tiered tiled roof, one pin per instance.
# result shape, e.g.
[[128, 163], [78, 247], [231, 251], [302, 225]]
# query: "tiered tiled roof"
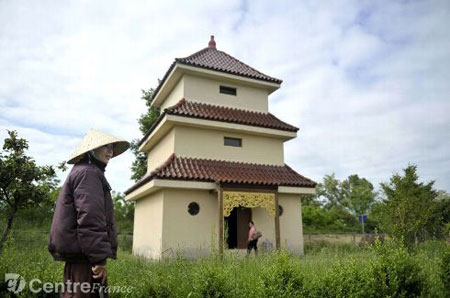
[[213, 59], [208, 170], [224, 114]]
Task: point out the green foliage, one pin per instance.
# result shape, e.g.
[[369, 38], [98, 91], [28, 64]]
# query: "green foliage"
[[123, 212], [310, 200], [147, 119], [357, 194], [428, 255], [441, 215], [26, 253], [445, 271], [23, 184], [345, 279], [338, 204], [329, 189], [211, 279], [139, 165], [408, 206], [388, 270], [282, 277], [157, 288], [319, 220], [322, 247], [396, 272]]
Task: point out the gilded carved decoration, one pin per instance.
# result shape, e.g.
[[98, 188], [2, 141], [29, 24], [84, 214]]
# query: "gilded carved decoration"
[[232, 199]]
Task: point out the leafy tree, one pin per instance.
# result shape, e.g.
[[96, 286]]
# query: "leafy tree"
[[23, 184], [337, 203], [357, 194], [441, 215], [139, 165], [317, 219], [308, 199], [37, 215], [123, 212], [408, 206], [329, 191], [123, 209]]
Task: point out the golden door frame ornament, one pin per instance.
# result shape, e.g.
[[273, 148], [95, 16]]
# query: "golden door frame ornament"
[[232, 199]]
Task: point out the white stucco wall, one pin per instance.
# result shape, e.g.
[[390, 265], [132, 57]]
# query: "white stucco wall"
[[175, 95], [208, 143], [204, 89], [188, 234], [148, 221], [291, 228], [207, 90], [163, 227], [161, 151], [265, 223], [197, 142]]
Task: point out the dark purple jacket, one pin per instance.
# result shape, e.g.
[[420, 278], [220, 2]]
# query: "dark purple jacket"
[[83, 228]]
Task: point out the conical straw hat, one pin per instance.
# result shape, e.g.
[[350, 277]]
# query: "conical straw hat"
[[94, 139]]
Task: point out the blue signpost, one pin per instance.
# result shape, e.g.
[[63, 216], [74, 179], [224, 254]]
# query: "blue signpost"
[[362, 219]]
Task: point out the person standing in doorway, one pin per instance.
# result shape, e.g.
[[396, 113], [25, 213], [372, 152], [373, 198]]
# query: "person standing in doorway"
[[252, 241]]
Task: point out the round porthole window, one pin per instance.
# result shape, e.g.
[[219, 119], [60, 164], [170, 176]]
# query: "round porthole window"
[[193, 208], [280, 210]]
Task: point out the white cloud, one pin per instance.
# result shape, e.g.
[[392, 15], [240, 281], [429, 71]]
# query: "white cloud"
[[367, 82]]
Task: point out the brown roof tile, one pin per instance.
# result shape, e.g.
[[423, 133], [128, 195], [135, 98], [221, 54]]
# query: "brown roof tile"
[[227, 114], [208, 170], [224, 114], [213, 59]]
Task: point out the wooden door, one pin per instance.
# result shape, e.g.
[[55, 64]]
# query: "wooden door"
[[244, 216]]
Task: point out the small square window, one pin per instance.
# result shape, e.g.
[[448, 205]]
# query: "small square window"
[[235, 142], [228, 90]]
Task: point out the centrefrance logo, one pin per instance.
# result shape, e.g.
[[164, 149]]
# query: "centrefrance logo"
[[15, 283]]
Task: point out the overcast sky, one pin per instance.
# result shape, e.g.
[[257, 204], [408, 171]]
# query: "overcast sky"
[[367, 82]]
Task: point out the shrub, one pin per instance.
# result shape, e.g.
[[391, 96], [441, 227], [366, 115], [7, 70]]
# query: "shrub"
[[445, 271], [429, 255], [331, 271], [396, 272], [345, 279], [157, 288], [281, 278], [211, 279], [325, 247]]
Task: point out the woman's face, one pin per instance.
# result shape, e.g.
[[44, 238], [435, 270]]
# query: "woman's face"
[[104, 153]]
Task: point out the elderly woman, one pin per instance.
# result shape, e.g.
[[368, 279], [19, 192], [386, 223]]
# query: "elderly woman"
[[83, 232]]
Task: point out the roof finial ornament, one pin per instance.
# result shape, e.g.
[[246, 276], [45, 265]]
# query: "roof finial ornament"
[[212, 42]]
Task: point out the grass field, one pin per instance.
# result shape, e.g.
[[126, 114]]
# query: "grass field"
[[326, 270]]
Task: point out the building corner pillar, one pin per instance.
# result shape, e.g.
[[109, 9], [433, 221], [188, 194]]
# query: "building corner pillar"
[[277, 222], [220, 221]]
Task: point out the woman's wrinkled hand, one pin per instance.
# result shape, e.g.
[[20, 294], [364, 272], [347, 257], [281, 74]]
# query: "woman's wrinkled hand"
[[99, 272]]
